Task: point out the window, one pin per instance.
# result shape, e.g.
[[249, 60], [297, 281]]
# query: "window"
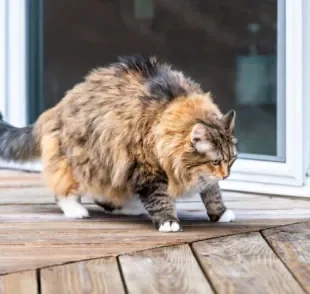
[[229, 47], [238, 50], [250, 54]]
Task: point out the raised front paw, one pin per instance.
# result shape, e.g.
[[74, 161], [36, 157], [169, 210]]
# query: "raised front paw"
[[168, 226], [226, 217]]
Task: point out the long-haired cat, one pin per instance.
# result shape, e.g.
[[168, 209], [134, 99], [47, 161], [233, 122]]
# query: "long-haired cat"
[[135, 127]]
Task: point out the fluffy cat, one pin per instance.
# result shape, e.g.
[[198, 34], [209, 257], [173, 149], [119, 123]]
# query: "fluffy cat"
[[136, 126]]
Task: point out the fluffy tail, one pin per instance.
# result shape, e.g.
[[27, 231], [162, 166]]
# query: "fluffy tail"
[[17, 144]]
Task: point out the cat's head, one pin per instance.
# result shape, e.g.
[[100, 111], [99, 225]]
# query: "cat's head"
[[213, 149], [207, 154]]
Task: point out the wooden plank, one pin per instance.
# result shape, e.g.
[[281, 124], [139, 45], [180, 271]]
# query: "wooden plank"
[[15, 179], [252, 212], [30, 195], [19, 283], [50, 212], [30, 189], [244, 264], [164, 270], [19, 167], [13, 198], [239, 200], [95, 276], [32, 244], [245, 207], [26, 195], [292, 244], [17, 173]]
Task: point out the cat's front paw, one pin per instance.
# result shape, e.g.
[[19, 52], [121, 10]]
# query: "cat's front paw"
[[169, 226], [76, 212], [72, 208], [227, 216]]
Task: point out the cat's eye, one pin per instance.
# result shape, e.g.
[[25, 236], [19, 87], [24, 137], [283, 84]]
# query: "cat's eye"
[[216, 162]]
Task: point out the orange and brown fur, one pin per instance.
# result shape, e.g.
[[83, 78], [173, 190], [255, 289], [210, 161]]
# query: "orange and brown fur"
[[134, 127]]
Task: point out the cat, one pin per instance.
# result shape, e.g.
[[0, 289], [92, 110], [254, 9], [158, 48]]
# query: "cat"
[[134, 127]]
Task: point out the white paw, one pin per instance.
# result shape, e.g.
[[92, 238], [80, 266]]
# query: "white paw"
[[77, 211], [72, 208], [228, 216], [170, 226]]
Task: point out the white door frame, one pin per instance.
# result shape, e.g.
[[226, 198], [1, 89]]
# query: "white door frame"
[[247, 174], [292, 171], [13, 100], [288, 179], [13, 53]]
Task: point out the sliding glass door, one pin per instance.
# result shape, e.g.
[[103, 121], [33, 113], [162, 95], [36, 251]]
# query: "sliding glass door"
[[247, 52], [230, 47]]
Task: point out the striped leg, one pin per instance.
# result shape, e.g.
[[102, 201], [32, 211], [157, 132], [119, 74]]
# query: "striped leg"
[[216, 209], [160, 207]]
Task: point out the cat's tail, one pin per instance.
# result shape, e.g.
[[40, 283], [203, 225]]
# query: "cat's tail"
[[18, 144]]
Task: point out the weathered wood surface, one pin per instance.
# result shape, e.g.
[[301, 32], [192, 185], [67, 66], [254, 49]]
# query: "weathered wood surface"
[[292, 245], [49, 212], [94, 276], [165, 270], [35, 234], [244, 264], [28, 188], [17, 179], [19, 283], [33, 244]]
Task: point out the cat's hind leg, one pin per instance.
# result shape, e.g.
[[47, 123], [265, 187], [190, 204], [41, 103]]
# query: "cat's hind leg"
[[58, 175], [133, 206], [107, 207]]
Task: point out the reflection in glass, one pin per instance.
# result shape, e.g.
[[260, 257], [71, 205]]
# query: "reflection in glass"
[[230, 47]]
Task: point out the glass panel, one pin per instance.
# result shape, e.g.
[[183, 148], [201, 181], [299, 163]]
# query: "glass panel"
[[230, 47]]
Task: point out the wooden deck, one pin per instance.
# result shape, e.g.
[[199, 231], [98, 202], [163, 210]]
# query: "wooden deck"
[[42, 252]]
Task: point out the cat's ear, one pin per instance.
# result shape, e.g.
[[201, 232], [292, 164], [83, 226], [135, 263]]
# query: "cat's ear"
[[198, 138], [229, 120]]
